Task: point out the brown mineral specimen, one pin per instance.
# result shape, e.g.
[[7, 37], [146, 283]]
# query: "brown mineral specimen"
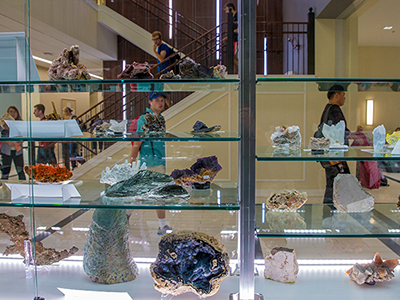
[[15, 228], [67, 67], [287, 200], [375, 271], [319, 143], [398, 203]]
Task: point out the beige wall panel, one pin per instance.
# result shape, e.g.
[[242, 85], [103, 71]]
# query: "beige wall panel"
[[325, 48], [379, 62]]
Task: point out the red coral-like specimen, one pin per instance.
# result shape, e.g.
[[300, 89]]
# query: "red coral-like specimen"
[[44, 173]]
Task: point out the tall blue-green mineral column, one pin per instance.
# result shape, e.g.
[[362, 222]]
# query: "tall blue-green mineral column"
[[107, 258]]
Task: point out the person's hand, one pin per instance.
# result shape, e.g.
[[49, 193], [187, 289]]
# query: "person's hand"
[[155, 48]]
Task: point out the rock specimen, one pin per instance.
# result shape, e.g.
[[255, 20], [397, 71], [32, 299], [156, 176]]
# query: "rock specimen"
[[287, 200], [15, 228], [121, 172], [136, 71], [100, 130], [147, 184], [116, 126], [220, 71], [202, 172], [375, 271], [200, 127], [107, 258], [278, 221], [67, 66], [281, 265], [188, 68], [319, 143], [349, 196], [398, 203], [45, 173], [393, 138], [153, 124], [170, 75], [286, 136], [189, 262]]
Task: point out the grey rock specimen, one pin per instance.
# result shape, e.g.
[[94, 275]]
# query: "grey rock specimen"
[[287, 200], [281, 265], [349, 196], [147, 184], [107, 258], [153, 123], [189, 262], [375, 271], [278, 221]]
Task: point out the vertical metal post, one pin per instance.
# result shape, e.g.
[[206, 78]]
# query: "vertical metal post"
[[311, 41], [247, 105]]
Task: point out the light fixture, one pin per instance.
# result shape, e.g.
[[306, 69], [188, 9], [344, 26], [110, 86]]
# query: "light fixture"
[[387, 27], [370, 112]]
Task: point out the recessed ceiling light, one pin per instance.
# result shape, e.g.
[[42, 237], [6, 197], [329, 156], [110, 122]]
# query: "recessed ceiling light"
[[387, 27]]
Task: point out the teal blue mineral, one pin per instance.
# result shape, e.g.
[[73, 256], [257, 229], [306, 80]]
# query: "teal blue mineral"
[[107, 258]]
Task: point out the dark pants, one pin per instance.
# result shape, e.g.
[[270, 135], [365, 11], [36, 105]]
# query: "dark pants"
[[18, 163], [330, 174], [46, 156]]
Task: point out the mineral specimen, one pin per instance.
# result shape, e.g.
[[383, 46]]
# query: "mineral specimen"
[[153, 124], [393, 138], [136, 71], [220, 71], [281, 265], [398, 203], [189, 262], [286, 136], [199, 127], [121, 172], [107, 258], [203, 171], [147, 184], [278, 221], [116, 126], [67, 66], [334, 132], [375, 271], [348, 195], [45, 173], [379, 134], [188, 68], [319, 143], [100, 130], [287, 200], [15, 228], [170, 75]]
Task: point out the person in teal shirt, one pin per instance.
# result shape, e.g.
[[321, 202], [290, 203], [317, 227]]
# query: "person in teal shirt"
[[152, 153]]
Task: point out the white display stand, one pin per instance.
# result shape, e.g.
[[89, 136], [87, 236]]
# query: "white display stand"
[[44, 129], [48, 193]]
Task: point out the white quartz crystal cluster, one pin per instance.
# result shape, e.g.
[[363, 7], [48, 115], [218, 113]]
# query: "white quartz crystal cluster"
[[286, 136], [334, 132], [281, 265], [117, 127], [121, 172], [349, 196]]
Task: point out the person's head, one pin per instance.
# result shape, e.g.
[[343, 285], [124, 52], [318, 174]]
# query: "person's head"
[[14, 112], [156, 37], [336, 95], [229, 7], [67, 111], [157, 102], [397, 129], [360, 128], [38, 110]]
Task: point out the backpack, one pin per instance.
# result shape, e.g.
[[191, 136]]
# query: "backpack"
[[173, 60]]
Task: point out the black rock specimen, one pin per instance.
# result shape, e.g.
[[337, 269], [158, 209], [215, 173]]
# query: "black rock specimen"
[[189, 262], [188, 68], [136, 71], [147, 184], [200, 127]]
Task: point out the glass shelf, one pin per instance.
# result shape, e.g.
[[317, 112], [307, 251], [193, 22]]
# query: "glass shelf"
[[353, 153], [313, 79], [139, 136], [323, 221], [220, 196], [142, 85]]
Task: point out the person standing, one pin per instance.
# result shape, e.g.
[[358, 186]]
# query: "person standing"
[[161, 50], [152, 153], [70, 150], [12, 151], [45, 153], [336, 99]]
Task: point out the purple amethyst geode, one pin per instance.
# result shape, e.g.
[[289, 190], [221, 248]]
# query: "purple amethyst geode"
[[202, 171]]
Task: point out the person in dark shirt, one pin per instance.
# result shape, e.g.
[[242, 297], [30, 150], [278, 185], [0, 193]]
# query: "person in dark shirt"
[[161, 51], [336, 96]]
